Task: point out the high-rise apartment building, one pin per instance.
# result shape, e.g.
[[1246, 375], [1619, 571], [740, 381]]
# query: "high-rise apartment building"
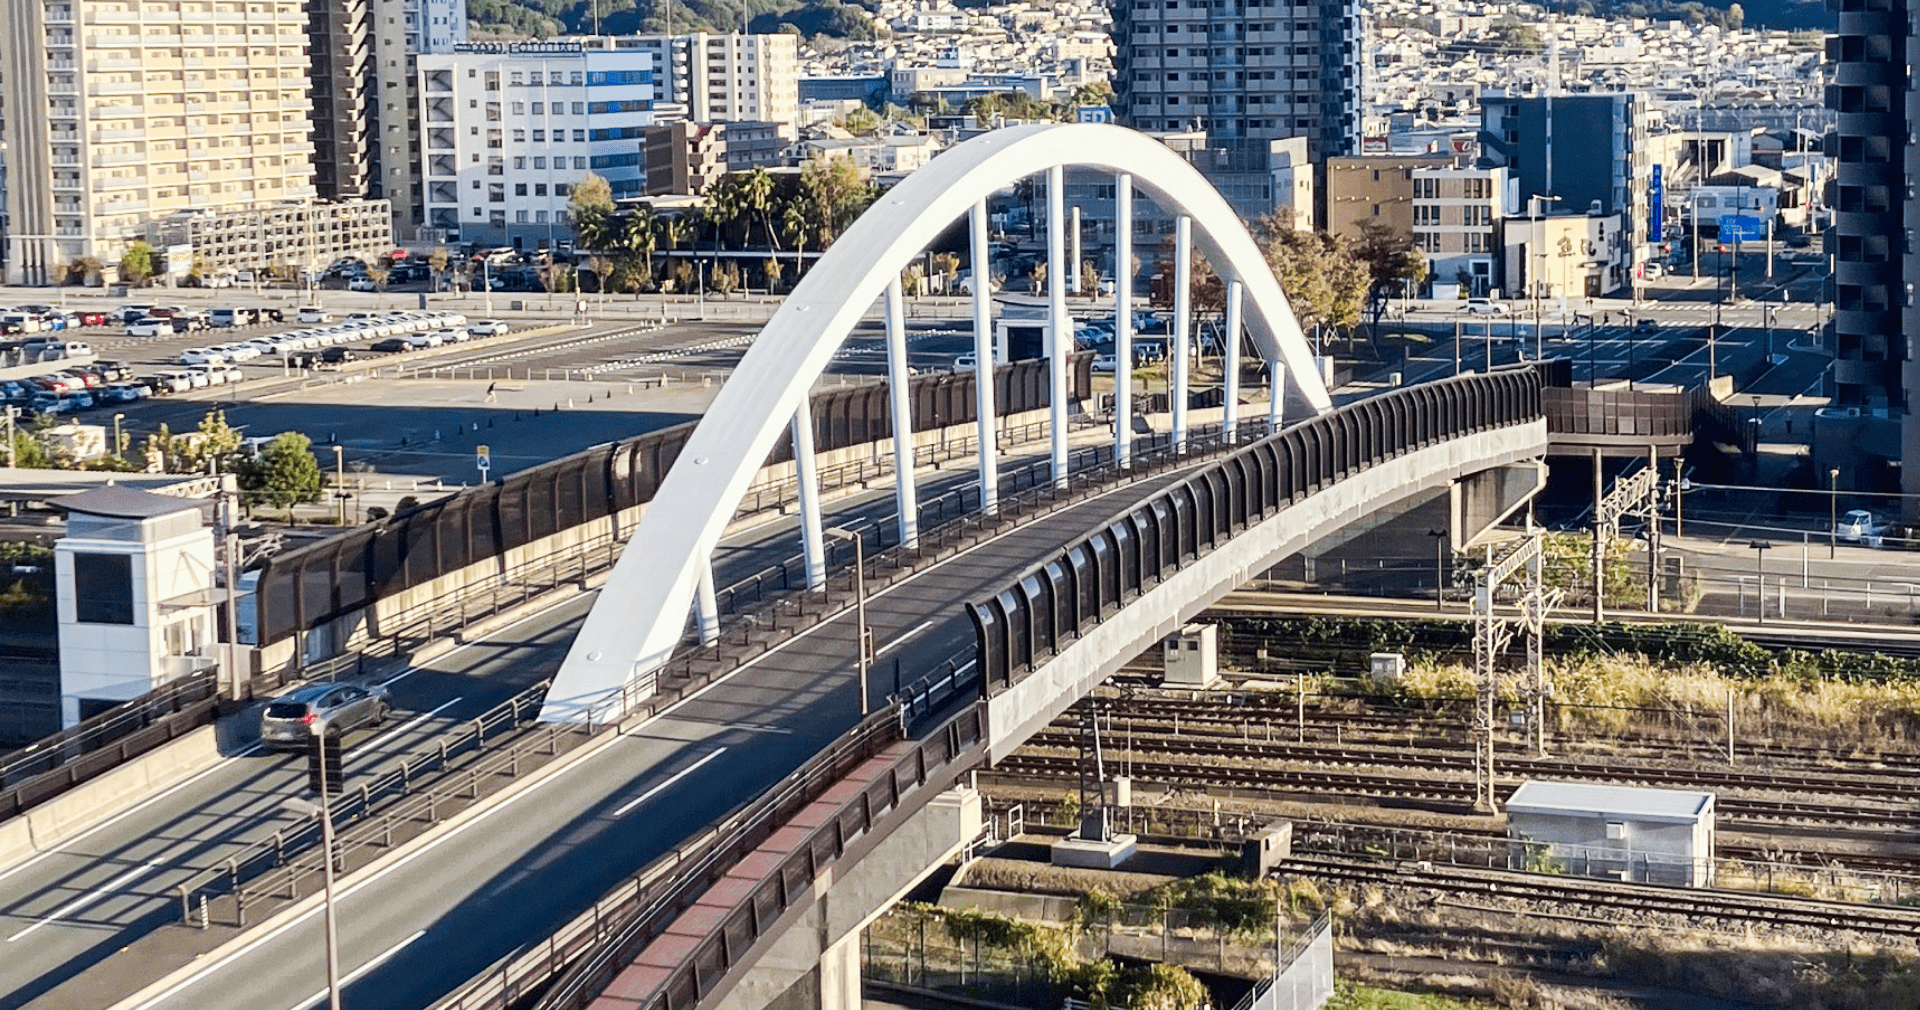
[[119, 112], [1241, 70], [341, 49], [1872, 437], [510, 129], [402, 31], [725, 78], [1575, 152]]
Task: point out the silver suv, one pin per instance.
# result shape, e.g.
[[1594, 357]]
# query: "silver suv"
[[286, 722]]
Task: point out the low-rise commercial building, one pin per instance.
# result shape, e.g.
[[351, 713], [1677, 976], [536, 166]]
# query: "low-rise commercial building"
[[285, 239], [1654, 836]]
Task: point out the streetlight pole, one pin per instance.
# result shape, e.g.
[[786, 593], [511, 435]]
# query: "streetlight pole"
[[340, 481], [117, 450], [1833, 512], [11, 412], [864, 639], [1760, 575], [323, 812]]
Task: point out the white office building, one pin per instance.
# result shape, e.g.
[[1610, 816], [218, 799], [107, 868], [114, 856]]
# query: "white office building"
[[509, 128]]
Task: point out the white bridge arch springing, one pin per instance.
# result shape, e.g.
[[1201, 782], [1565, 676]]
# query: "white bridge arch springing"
[[640, 614]]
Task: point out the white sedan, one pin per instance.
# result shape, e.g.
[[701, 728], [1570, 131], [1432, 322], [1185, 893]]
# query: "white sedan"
[[489, 328], [202, 356]]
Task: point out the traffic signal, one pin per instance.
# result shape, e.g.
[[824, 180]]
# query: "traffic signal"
[[323, 763]]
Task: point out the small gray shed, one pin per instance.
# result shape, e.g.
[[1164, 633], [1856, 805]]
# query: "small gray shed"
[[1653, 836]]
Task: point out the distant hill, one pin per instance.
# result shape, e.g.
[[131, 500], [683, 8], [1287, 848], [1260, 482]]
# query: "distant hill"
[[548, 18]]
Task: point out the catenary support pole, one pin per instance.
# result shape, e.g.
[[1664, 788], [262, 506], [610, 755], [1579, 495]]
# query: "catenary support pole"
[[1230, 362], [983, 361], [806, 473], [1182, 324], [900, 400], [1123, 317], [1059, 326]]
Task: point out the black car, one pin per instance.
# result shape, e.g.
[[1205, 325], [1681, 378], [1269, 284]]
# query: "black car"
[[270, 313], [337, 355], [392, 345]]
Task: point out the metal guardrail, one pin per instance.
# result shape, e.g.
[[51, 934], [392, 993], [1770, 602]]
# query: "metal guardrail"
[[915, 765], [49, 767], [782, 610], [420, 792], [1050, 605]]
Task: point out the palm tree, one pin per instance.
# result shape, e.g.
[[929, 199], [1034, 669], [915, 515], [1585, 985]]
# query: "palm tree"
[[674, 229], [637, 239], [796, 221], [756, 188]]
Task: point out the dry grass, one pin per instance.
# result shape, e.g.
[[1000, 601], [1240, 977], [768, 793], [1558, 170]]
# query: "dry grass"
[[1022, 877], [1612, 694]]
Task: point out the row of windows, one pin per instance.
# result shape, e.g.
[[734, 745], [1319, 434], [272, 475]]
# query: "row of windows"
[[617, 133], [1472, 189], [1147, 52], [540, 78], [540, 108], [1221, 75], [600, 78], [1471, 216], [1229, 31], [630, 159], [609, 108]]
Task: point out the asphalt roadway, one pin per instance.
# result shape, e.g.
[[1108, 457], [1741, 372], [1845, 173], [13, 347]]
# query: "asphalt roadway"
[[66, 915], [511, 874]]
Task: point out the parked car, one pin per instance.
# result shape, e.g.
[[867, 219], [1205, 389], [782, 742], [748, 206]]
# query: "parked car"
[[125, 392], [286, 723], [1484, 306], [312, 314], [1645, 326], [87, 380], [93, 318], [165, 383], [200, 356], [489, 328], [392, 345], [362, 284], [337, 355], [1105, 363]]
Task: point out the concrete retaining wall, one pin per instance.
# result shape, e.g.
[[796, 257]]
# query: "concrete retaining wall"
[[92, 802]]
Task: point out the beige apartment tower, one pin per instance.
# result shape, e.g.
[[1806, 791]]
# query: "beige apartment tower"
[[121, 112]]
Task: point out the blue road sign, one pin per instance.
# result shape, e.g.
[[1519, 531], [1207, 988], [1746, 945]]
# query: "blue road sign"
[[1741, 228]]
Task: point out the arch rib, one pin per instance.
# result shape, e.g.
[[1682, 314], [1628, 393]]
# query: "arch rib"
[[641, 612]]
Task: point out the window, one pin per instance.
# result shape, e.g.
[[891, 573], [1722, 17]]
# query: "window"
[[519, 189], [539, 162], [579, 137], [539, 108], [102, 588], [579, 108], [520, 163], [539, 136]]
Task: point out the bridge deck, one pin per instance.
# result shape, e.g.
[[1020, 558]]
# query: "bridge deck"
[[482, 893]]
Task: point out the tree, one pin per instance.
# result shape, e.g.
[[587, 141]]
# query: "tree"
[[836, 193], [285, 473], [378, 275], [1037, 278], [136, 264], [862, 121], [913, 280], [1391, 262], [591, 208], [756, 188], [1736, 17], [724, 278], [773, 268], [1323, 282], [438, 260]]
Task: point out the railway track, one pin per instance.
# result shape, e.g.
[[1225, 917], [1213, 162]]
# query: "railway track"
[[1277, 717], [1888, 788], [1632, 902], [1447, 794]]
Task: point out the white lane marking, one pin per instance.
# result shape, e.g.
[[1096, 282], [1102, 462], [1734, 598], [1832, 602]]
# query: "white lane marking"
[[903, 639], [89, 898], [362, 970], [750, 727], [484, 814], [130, 811], [677, 776], [417, 720]]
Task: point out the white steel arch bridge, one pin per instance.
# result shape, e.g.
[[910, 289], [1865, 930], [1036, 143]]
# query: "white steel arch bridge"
[[639, 617]]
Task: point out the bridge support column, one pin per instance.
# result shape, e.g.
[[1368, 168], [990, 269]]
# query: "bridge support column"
[[840, 974], [1059, 325], [899, 389], [1182, 325], [1230, 391], [1073, 251], [1276, 394], [807, 475], [984, 361], [1123, 317], [708, 606]]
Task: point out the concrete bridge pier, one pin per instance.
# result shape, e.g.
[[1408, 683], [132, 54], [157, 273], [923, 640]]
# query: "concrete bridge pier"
[[813, 963]]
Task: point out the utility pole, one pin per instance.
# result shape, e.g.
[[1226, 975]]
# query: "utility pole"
[[1491, 636], [1535, 603], [1653, 533], [1602, 532]]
